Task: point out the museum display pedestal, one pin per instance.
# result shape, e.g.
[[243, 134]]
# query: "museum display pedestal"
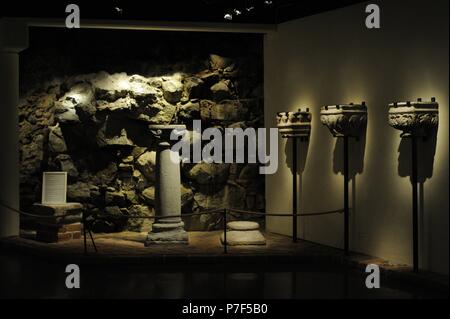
[[166, 229], [243, 233], [345, 121], [58, 222], [415, 120], [294, 125]]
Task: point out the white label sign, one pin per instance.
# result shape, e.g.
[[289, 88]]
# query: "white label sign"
[[54, 187]]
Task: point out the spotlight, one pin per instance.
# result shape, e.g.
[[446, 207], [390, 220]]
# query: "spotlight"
[[228, 16], [118, 10], [268, 2], [250, 5], [237, 12]]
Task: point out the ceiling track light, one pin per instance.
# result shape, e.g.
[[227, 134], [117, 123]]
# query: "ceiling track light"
[[249, 5], [228, 15]]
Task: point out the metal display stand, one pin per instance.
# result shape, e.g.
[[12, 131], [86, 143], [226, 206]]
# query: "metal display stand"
[[295, 126], [345, 121], [416, 120]]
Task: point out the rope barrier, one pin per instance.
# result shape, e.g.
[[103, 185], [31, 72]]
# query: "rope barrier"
[[223, 211], [205, 212]]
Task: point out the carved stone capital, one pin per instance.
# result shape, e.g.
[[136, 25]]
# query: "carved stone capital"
[[414, 118], [162, 132], [294, 124], [344, 119]]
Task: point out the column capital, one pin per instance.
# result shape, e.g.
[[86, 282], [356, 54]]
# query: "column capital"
[[163, 131], [13, 35]]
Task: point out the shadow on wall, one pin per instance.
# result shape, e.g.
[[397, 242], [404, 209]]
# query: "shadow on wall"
[[302, 154], [426, 150], [356, 153]]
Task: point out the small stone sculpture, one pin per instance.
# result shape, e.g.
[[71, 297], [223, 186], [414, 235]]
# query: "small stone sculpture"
[[344, 119], [243, 233], [294, 124], [414, 118]]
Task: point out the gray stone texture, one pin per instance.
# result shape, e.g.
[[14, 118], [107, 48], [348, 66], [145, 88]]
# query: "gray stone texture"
[[95, 127]]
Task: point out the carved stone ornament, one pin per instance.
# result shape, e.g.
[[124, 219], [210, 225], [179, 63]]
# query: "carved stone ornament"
[[414, 118], [344, 119], [294, 124]]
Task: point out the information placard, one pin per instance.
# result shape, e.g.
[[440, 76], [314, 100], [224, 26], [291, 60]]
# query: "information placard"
[[54, 187]]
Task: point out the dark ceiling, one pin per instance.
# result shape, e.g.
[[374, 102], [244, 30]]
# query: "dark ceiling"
[[262, 11]]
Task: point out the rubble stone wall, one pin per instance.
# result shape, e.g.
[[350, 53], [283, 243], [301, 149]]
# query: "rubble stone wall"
[[94, 127]]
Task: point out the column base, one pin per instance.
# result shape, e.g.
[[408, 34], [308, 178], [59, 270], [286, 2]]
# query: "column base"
[[167, 233]]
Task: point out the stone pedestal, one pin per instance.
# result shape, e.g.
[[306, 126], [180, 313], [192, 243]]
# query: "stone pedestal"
[[168, 191], [243, 233], [59, 222]]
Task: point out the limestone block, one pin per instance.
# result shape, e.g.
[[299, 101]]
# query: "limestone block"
[[237, 237]]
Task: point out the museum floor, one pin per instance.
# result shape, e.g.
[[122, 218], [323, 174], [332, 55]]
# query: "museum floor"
[[202, 270]]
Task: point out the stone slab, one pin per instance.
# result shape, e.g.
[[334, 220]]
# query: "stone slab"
[[57, 209], [237, 238], [242, 225]]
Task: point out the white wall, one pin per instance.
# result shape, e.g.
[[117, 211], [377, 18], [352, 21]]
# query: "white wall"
[[333, 58]]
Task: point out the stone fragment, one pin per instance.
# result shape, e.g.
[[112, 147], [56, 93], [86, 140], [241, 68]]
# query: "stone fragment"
[[110, 87], [56, 141], [148, 196], [82, 96], [237, 238], [131, 197], [113, 133], [123, 104], [115, 198], [189, 111], [218, 62], [172, 89], [141, 91], [139, 180], [226, 110], [107, 174], [146, 164], [140, 224], [204, 173], [187, 196], [193, 88], [65, 111], [221, 91], [66, 165], [79, 192], [158, 113]]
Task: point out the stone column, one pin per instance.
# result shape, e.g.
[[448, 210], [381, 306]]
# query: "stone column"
[[168, 190], [13, 39]]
